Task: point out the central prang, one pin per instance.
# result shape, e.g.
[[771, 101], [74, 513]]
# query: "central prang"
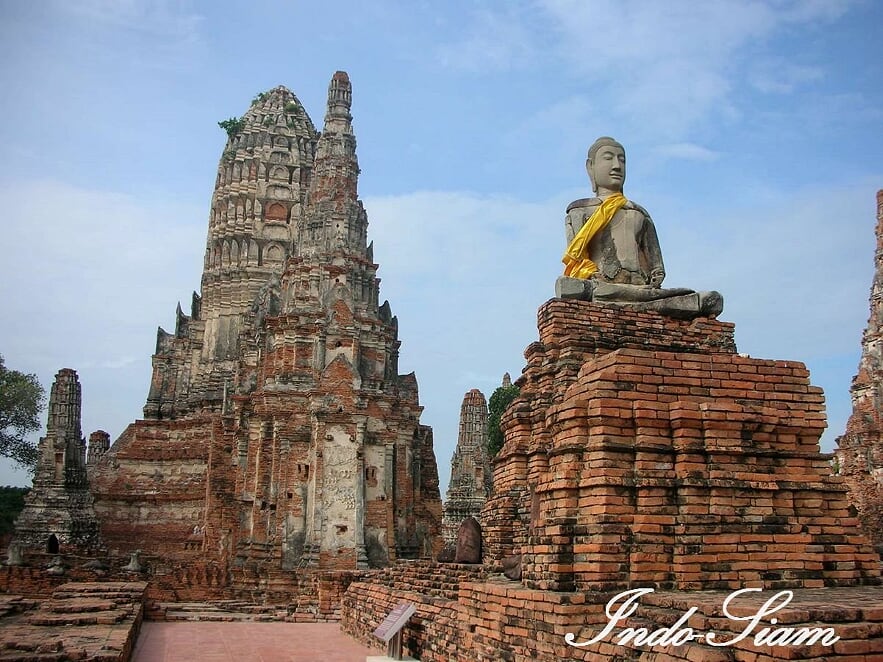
[[613, 254]]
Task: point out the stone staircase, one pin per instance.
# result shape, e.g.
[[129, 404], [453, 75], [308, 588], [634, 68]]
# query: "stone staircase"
[[227, 610]]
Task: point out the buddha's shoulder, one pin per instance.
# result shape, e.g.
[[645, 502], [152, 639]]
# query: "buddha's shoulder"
[[588, 205], [583, 203]]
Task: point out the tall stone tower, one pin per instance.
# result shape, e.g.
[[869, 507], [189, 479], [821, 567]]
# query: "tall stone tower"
[[295, 442], [58, 510], [860, 450], [259, 199], [471, 472]]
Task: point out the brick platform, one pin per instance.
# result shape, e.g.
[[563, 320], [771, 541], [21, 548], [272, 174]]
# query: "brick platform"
[[81, 621], [645, 452]]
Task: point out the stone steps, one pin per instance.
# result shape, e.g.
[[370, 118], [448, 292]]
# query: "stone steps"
[[229, 610]]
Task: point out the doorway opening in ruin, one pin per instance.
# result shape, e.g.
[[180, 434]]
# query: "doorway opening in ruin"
[[52, 544]]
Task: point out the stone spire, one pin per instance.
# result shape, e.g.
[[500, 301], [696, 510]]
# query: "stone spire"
[[99, 443], [860, 450], [59, 506], [471, 474], [63, 449], [259, 200], [336, 218]]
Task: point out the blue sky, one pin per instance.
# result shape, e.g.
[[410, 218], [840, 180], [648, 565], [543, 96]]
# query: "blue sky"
[[753, 133]]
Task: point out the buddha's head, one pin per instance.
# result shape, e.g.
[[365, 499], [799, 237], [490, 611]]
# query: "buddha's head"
[[606, 165]]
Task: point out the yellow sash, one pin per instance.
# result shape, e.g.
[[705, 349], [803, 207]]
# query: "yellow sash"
[[576, 258]]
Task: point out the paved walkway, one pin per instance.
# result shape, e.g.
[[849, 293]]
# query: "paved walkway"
[[213, 641]]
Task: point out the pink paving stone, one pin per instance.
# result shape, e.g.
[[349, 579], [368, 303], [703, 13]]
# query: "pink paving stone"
[[247, 642]]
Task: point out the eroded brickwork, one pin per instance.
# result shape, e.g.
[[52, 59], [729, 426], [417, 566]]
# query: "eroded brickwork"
[[81, 621], [860, 450], [470, 484], [644, 451], [677, 465], [278, 433]]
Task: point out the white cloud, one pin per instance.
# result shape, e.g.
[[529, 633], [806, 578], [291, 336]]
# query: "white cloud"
[[163, 19], [490, 41], [777, 76], [685, 151], [158, 34], [662, 67], [465, 273], [88, 276]]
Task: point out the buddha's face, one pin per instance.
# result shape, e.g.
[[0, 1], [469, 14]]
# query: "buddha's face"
[[607, 169]]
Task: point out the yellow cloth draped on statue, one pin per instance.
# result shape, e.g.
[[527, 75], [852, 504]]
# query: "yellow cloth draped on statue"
[[576, 258]]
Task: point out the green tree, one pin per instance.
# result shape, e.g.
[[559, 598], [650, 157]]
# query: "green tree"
[[500, 400], [21, 401]]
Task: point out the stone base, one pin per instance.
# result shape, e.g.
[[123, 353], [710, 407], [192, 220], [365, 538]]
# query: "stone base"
[[82, 621], [679, 303]]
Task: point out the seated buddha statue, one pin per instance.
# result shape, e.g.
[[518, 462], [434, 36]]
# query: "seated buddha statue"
[[613, 254]]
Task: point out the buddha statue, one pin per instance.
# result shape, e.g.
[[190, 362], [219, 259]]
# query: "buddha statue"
[[613, 254]]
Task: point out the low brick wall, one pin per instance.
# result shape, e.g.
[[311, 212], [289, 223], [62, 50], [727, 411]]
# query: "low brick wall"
[[501, 620]]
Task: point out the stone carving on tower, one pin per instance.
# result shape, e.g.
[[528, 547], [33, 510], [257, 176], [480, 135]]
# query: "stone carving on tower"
[[58, 510], [860, 450], [471, 472], [279, 397]]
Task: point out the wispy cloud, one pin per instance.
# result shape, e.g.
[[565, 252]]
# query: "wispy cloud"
[[778, 76], [171, 30], [663, 67], [465, 273], [685, 151], [491, 41], [88, 276]]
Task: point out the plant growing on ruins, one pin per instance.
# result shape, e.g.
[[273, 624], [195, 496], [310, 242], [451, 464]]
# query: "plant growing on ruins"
[[232, 125], [259, 97], [290, 107], [497, 405], [21, 401]]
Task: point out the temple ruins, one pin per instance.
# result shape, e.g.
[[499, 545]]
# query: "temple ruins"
[[645, 453], [859, 452], [58, 510], [470, 484], [281, 471], [277, 434]]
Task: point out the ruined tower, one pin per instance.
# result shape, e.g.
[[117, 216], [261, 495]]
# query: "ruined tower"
[[259, 197], [58, 510], [471, 472], [860, 450], [294, 441]]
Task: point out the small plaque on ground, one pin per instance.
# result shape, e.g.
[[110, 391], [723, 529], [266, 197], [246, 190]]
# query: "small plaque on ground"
[[394, 621]]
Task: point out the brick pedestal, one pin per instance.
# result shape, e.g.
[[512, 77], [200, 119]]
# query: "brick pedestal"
[[645, 451]]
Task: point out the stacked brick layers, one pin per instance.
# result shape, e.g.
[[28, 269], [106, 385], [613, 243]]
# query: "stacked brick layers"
[[465, 615], [81, 621], [860, 449], [645, 452]]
